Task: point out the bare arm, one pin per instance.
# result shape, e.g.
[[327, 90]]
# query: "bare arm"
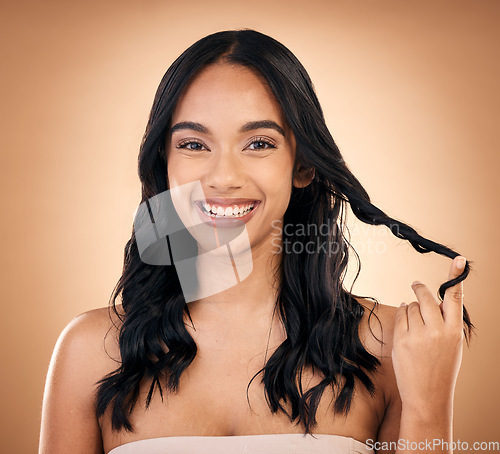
[[385, 379], [426, 356], [69, 424]]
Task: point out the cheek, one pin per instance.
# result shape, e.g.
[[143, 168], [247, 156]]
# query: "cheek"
[[180, 172], [276, 183]]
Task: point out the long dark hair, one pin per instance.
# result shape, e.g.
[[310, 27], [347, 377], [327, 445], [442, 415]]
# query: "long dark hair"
[[320, 316]]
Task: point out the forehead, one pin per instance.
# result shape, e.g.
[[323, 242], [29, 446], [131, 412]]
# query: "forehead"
[[234, 93]]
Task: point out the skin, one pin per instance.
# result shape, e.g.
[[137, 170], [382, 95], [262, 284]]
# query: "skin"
[[422, 347]]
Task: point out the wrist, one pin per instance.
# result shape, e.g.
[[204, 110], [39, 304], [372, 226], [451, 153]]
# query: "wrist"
[[428, 412]]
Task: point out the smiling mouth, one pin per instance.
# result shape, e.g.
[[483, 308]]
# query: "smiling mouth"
[[234, 211]]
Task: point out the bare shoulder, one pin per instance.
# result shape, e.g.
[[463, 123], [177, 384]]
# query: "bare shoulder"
[[377, 323], [91, 341], [95, 324], [86, 350]]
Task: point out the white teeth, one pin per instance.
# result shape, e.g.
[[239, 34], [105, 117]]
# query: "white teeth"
[[234, 211]]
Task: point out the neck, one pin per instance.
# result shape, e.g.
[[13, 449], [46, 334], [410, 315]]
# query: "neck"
[[239, 286]]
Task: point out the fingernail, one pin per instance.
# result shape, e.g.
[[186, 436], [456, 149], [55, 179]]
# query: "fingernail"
[[416, 283], [402, 304], [461, 263]]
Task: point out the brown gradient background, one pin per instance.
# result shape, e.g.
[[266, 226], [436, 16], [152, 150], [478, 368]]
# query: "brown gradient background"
[[410, 94]]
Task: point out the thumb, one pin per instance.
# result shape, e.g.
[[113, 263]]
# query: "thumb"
[[453, 297]]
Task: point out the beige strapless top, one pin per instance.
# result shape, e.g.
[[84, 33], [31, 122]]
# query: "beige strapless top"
[[247, 444]]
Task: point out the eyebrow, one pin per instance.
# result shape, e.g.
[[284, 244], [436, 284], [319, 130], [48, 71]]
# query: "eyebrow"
[[250, 126]]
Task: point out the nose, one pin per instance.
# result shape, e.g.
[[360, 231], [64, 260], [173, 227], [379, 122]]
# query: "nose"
[[225, 172]]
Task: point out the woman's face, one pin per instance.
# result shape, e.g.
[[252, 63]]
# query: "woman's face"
[[229, 134]]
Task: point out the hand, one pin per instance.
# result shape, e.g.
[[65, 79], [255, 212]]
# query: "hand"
[[428, 345]]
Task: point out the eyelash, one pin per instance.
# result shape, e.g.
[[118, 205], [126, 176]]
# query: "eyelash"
[[256, 140]]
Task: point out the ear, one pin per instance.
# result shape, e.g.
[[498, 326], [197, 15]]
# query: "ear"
[[302, 176]]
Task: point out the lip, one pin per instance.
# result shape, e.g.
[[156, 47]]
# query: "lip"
[[226, 222], [226, 202]]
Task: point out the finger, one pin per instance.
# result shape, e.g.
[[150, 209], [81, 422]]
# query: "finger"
[[429, 308], [453, 310], [415, 320], [400, 320]]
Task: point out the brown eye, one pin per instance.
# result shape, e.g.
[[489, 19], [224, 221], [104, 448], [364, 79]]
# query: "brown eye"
[[261, 145], [197, 146]]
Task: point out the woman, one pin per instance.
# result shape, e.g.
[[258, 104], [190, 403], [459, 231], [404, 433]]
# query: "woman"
[[237, 143]]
